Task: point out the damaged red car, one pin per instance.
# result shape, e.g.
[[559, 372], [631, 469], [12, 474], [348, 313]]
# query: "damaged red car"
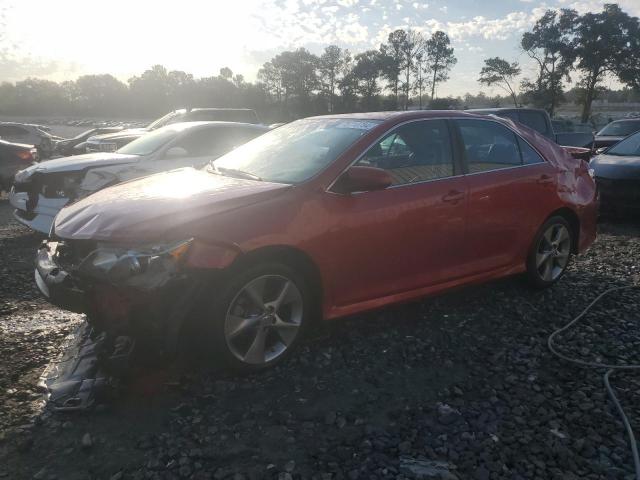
[[320, 218]]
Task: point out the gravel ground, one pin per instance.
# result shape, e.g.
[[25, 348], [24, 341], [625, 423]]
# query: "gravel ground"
[[456, 387]]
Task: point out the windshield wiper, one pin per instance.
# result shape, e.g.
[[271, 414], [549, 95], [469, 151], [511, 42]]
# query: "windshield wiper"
[[232, 172]]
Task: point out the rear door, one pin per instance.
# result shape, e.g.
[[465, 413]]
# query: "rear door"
[[409, 235], [511, 189]]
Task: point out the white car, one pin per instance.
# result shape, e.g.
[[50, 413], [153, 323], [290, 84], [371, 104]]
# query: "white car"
[[41, 191]]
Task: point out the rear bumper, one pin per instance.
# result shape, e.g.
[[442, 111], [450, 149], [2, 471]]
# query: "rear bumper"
[[39, 218]]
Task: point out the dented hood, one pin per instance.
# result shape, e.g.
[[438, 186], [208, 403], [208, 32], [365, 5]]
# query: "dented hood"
[[75, 163], [159, 206]]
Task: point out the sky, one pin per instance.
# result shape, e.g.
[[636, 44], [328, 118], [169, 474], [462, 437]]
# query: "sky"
[[63, 39]]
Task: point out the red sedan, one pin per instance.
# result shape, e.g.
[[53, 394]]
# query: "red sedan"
[[319, 218]]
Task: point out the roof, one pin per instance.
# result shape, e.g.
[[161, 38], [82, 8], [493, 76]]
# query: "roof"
[[504, 109], [402, 115], [635, 120], [203, 123], [222, 109]]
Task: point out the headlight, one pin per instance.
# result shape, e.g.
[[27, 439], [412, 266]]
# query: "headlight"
[[146, 267]]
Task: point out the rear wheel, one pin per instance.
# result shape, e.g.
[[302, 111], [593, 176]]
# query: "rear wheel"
[[258, 317], [550, 253]]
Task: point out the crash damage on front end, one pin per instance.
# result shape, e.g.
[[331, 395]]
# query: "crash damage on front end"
[[134, 300], [129, 257]]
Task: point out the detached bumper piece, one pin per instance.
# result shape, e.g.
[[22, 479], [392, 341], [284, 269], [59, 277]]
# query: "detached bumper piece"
[[86, 372]]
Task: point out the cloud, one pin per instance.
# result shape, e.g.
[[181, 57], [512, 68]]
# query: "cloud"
[[632, 7]]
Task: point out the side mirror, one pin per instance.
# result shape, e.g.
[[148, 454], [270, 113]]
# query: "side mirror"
[[601, 150], [176, 152], [363, 179]]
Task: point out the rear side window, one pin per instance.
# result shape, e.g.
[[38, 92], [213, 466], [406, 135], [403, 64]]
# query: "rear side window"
[[415, 152], [488, 145], [535, 120], [529, 155]]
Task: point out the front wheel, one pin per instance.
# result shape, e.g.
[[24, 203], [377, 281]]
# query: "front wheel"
[[259, 317], [550, 252]]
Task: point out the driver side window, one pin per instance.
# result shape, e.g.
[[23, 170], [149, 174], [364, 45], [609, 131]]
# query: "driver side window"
[[414, 152]]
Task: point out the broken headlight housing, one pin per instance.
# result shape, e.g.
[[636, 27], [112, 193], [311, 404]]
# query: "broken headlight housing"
[[146, 267]]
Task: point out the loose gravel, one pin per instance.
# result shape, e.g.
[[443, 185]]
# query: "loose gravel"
[[456, 387]]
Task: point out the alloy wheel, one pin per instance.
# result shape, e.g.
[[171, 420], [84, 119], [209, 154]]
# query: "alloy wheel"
[[263, 319], [552, 254]]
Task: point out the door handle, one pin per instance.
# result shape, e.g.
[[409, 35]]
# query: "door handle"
[[454, 196], [544, 179]]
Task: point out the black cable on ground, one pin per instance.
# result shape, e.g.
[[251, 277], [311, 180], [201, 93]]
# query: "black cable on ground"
[[610, 370]]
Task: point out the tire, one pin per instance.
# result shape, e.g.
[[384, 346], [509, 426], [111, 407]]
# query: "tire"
[[236, 323], [550, 252]]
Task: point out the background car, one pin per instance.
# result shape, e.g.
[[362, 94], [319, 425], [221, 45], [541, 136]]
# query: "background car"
[[540, 121], [72, 146], [14, 157], [28, 134], [616, 131], [617, 172], [39, 192], [111, 142], [319, 218]]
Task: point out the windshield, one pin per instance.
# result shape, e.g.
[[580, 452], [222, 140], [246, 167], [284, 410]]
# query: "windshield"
[[620, 129], [149, 143], [166, 120], [630, 146], [295, 152]]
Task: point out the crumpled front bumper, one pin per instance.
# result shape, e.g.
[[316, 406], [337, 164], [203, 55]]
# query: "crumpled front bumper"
[[55, 284], [153, 317], [41, 217]]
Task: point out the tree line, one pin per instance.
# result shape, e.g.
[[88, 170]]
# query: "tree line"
[[593, 46], [404, 72]]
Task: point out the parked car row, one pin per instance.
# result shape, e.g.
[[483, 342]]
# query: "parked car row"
[[78, 144], [112, 142], [616, 131], [40, 191]]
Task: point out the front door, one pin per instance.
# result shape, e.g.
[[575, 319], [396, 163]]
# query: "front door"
[[409, 235]]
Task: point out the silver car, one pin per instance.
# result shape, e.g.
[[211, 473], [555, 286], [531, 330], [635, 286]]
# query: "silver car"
[[41, 191]]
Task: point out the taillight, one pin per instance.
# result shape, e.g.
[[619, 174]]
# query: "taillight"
[[25, 155]]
